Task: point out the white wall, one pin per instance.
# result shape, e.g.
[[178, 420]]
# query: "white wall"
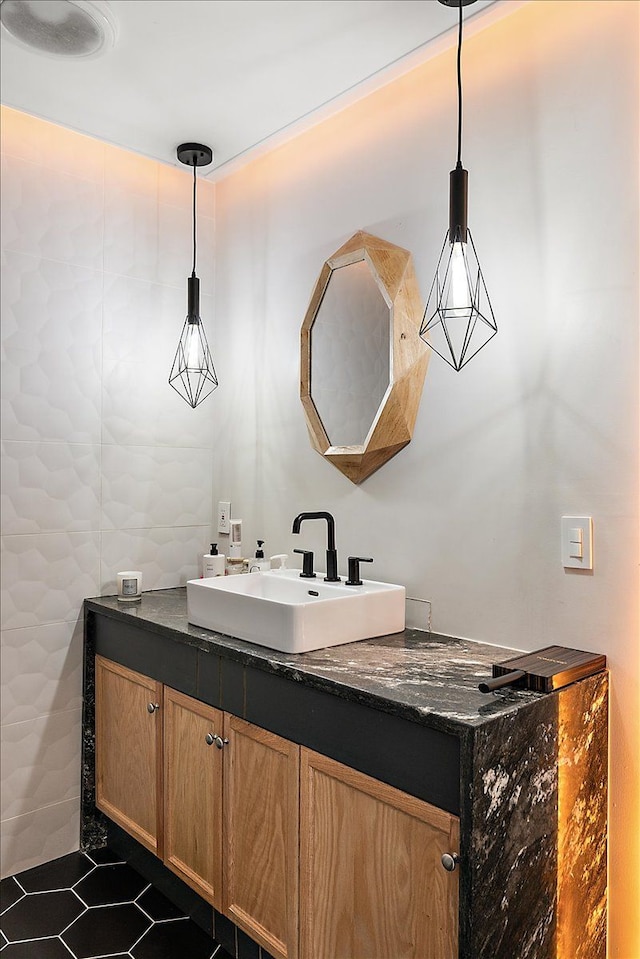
[[104, 467], [544, 422]]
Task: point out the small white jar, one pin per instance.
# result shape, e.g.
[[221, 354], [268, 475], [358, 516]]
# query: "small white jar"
[[129, 586]]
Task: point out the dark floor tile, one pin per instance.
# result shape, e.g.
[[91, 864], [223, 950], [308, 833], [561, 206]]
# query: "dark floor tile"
[[10, 892], [225, 932], [41, 915], [37, 949], [40, 949], [111, 884], [176, 939], [3, 939], [58, 874], [104, 856], [105, 930], [157, 906], [247, 948]]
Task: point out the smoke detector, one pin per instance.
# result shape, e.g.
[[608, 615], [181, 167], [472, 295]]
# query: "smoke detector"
[[73, 29]]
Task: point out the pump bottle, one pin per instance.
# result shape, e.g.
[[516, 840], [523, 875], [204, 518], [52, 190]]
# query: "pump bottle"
[[213, 563], [258, 564]]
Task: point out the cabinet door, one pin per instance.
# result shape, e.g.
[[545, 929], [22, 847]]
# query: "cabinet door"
[[193, 793], [261, 794], [129, 750], [371, 882]]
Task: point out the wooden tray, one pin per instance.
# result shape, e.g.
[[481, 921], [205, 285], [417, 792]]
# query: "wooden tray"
[[545, 669]]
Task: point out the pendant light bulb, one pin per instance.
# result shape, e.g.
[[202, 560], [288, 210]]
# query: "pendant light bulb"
[[458, 320], [193, 351], [193, 375], [459, 285]]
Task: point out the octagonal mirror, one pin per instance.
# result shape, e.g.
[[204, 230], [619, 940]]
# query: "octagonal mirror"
[[362, 361]]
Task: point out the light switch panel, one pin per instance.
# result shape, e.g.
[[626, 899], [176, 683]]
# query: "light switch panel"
[[577, 542], [576, 539]]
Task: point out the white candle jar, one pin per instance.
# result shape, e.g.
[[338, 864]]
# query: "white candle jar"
[[129, 586]]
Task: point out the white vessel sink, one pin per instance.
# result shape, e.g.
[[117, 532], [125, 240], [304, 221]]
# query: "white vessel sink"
[[283, 611]]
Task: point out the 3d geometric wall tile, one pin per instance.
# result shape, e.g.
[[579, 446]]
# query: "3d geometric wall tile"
[[103, 467], [50, 214], [49, 487], [40, 762], [45, 577], [39, 836], [41, 669], [51, 334], [146, 486]]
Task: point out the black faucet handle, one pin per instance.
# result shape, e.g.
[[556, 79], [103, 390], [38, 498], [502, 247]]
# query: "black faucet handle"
[[307, 563], [354, 569]]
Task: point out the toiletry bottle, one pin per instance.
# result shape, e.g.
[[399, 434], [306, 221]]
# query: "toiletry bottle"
[[213, 563], [235, 539], [259, 564]]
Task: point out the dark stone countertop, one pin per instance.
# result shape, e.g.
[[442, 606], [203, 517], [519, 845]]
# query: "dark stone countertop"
[[422, 676]]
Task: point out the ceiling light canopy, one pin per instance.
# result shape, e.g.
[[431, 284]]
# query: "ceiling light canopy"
[[72, 29]]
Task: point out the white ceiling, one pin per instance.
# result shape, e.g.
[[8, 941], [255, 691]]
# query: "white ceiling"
[[238, 75]]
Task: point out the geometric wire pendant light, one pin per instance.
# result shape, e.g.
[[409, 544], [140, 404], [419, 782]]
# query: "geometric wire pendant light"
[[192, 374], [458, 320]]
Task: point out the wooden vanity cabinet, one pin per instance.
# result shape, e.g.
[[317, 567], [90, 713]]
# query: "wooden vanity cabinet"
[[165, 776], [129, 751], [371, 879], [193, 780], [308, 856], [261, 836]]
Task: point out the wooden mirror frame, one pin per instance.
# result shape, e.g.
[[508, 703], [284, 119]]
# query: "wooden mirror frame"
[[392, 269]]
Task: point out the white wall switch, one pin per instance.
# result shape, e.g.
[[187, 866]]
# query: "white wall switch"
[[224, 517], [577, 542]]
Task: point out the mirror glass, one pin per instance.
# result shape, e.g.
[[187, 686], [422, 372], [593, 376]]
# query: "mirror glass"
[[362, 362], [350, 354]]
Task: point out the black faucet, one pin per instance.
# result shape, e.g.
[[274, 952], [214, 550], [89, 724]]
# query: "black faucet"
[[307, 563], [332, 553], [354, 569]]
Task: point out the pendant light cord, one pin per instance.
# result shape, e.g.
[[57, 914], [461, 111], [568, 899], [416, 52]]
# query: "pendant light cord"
[[193, 273], [459, 163]]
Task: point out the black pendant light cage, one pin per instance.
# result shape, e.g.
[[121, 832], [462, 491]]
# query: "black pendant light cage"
[[458, 320], [193, 375]]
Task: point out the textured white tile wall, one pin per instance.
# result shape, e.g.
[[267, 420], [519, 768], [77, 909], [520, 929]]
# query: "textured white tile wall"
[[52, 351], [41, 670], [39, 836], [50, 487], [104, 466]]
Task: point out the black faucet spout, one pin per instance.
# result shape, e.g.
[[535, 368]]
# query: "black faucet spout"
[[319, 514], [332, 554]]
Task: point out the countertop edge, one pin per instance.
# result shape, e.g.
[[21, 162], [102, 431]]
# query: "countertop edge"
[[507, 702]]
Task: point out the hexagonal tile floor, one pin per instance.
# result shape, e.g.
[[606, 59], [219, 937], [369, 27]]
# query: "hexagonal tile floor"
[[88, 905]]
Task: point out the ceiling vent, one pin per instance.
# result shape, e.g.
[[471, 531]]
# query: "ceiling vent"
[[60, 28]]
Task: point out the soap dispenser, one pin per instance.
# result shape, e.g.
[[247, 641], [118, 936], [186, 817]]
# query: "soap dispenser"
[[213, 563], [259, 563]]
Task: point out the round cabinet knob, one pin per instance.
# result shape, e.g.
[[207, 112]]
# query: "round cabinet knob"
[[209, 739], [450, 861], [220, 742], [152, 707]]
